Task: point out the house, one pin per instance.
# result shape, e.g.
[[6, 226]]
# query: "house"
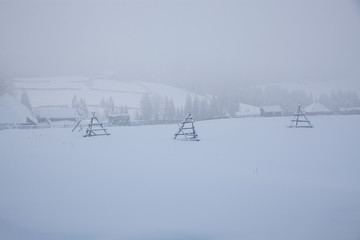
[[246, 110], [119, 119], [13, 113], [316, 109], [350, 110], [56, 114], [271, 111]]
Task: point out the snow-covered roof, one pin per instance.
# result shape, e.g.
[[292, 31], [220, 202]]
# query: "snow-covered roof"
[[245, 109], [344, 109], [55, 112], [13, 112], [316, 107], [271, 108]]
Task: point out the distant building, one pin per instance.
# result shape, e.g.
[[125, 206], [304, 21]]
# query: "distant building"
[[13, 113], [350, 110], [316, 109], [119, 119], [55, 114], [271, 111], [246, 110]]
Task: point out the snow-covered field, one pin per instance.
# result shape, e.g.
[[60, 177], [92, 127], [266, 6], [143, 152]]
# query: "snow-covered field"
[[249, 178], [59, 91]]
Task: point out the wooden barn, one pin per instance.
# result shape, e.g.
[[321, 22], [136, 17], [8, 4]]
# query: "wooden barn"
[[317, 109], [271, 111], [349, 110], [55, 114], [119, 119], [246, 110]]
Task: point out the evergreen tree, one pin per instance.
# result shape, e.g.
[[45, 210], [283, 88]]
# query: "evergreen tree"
[[215, 108], [6, 86], [24, 99], [146, 108], [75, 103], [180, 113], [137, 115], [188, 104], [103, 103], [196, 108], [80, 107], [204, 109], [83, 110], [166, 109], [157, 102], [171, 110], [111, 106]]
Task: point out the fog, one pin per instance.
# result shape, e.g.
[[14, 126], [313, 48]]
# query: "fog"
[[184, 43], [129, 71]]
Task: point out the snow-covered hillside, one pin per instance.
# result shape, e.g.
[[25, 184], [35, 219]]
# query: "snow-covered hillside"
[[316, 88], [249, 178], [59, 91]]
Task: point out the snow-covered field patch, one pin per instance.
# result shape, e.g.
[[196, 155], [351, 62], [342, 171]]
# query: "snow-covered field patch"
[[250, 178]]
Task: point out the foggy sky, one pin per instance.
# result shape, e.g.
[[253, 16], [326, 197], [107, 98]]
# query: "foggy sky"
[[172, 41]]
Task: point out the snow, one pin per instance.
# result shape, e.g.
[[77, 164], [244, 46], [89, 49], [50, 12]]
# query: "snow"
[[248, 178], [316, 108], [316, 88], [59, 91], [248, 110], [271, 108], [56, 112], [13, 112]]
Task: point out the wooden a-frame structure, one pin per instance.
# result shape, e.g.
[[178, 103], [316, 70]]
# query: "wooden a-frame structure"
[[300, 120], [186, 130], [95, 127]]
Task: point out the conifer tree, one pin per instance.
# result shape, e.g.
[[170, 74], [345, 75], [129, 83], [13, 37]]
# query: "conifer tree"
[[24, 99], [146, 108], [188, 104], [171, 110]]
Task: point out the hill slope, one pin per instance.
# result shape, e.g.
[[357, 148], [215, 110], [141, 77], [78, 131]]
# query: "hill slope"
[[59, 91], [245, 179]]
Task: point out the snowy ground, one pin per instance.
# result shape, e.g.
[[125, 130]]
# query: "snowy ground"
[[246, 179]]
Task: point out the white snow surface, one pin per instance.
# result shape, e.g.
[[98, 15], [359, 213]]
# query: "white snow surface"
[[248, 110], [316, 107], [247, 178], [13, 112], [316, 88], [56, 112], [271, 108], [59, 91]]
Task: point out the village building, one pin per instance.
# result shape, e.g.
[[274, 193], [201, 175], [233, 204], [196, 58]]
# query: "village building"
[[271, 111], [119, 119], [316, 109], [246, 110], [349, 110], [56, 115]]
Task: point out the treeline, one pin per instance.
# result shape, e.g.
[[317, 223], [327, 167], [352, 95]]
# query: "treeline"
[[108, 105], [274, 95], [287, 100], [155, 107], [340, 99]]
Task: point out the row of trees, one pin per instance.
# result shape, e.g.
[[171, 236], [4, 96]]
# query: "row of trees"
[[336, 100], [80, 107], [288, 100], [108, 105], [157, 108]]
